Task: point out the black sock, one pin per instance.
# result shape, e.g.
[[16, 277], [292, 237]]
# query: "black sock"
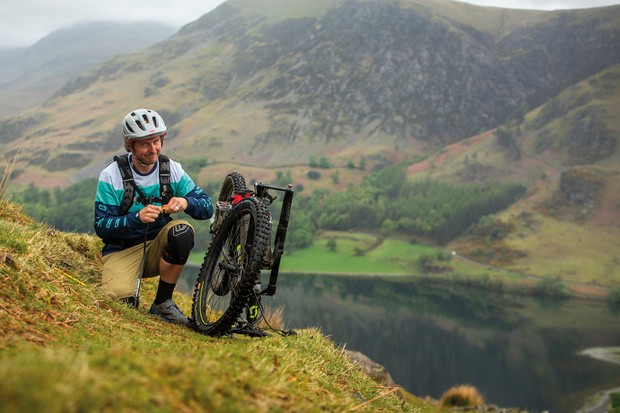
[[164, 292]]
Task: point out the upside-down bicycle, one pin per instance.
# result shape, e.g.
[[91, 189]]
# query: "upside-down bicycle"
[[227, 295]]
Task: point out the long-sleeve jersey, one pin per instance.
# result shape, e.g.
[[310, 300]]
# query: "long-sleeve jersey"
[[123, 231]]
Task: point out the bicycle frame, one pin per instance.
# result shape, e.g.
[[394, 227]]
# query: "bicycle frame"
[[278, 245], [230, 277]]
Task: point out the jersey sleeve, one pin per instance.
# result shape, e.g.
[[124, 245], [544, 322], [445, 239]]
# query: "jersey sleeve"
[[199, 205]]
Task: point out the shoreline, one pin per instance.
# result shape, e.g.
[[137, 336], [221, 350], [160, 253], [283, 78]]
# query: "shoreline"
[[523, 286], [574, 290], [608, 354], [598, 402]]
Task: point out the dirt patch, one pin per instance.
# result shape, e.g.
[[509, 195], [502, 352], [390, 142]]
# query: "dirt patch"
[[588, 291], [41, 180]]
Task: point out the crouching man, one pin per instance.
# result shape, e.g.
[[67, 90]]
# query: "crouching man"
[[137, 197]]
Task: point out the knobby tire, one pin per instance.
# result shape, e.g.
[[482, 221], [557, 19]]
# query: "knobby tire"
[[231, 267], [234, 183]]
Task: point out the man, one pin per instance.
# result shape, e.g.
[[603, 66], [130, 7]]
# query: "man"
[[139, 234]]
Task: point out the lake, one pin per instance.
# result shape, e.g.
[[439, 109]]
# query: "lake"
[[518, 351]]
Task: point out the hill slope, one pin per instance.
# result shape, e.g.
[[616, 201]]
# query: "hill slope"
[[67, 347], [31, 75], [565, 153], [286, 81]]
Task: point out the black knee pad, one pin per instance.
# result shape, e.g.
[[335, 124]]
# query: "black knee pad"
[[180, 243]]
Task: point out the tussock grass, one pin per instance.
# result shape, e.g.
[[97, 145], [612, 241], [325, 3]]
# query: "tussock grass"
[[8, 209], [65, 346], [462, 396]]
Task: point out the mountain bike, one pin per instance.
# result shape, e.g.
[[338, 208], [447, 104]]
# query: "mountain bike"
[[227, 295]]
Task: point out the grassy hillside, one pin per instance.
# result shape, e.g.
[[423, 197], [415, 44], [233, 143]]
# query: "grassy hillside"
[[540, 236], [579, 126], [546, 233], [67, 347]]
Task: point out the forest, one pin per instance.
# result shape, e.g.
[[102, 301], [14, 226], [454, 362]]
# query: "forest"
[[386, 202]]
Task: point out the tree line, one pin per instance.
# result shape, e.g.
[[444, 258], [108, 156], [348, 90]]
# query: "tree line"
[[385, 202]]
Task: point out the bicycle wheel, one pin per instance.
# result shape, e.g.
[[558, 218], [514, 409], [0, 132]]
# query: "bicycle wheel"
[[231, 268], [233, 184]]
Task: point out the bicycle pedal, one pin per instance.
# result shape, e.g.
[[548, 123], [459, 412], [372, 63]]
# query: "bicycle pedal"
[[224, 206]]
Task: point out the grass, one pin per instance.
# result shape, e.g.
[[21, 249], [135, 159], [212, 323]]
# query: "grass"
[[302, 373], [463, 395], [67, 347], [355, 253], [367, 254], [556, 249], [284, 9]]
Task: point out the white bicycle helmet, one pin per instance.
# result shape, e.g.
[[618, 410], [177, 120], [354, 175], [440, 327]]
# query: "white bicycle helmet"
[[142, 123]]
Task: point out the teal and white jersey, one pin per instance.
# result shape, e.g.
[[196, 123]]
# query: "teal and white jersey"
[[122, 231]]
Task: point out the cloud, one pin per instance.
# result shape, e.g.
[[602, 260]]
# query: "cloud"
[[26, 21]]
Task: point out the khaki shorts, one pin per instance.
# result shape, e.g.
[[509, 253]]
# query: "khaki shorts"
[[121, 269]]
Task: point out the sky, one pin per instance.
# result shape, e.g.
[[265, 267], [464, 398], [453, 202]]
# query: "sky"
[[24, 22]]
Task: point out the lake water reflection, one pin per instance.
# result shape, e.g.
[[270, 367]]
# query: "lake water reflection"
[[518, 351]]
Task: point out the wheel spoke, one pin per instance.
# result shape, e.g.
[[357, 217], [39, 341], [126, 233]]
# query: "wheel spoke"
[[231, 267]]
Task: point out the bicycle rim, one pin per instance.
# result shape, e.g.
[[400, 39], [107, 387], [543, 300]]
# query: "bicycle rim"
[[231, 268]]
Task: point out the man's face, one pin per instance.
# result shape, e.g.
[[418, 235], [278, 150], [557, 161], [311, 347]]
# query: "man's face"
[[146, 151]]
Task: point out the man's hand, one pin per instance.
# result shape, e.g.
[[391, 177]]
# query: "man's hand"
[[149, 214], [175, 205]]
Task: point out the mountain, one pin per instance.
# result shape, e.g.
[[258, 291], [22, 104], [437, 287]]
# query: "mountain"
[[31, 75], [456, 91], [287, 80]]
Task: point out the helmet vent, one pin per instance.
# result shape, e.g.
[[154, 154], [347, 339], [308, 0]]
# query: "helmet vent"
[[129, 127]]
